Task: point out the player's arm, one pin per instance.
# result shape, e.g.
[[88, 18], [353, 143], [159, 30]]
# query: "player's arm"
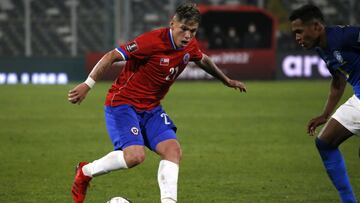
[[77, 94], [337, 87], [210, 67]]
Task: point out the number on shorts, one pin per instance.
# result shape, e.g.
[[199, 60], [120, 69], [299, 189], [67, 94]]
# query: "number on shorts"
[[165, 116]]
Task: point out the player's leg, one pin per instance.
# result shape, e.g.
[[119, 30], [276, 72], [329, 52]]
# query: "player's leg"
[[331, 136], [169, 150], [115, 160], [168, 172], [123, 128], [161, 138]]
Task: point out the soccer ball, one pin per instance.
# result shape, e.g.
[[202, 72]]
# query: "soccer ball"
[[118, 200]]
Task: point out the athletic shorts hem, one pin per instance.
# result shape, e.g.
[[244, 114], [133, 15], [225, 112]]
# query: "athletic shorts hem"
[[338, 119], [166, 135], [348, 115], [128, 145]]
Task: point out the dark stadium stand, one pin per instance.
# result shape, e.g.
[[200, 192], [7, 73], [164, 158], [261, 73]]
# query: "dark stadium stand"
[[51, 31]]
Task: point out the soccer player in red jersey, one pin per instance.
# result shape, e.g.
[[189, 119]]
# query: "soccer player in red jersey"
[[134, 116]]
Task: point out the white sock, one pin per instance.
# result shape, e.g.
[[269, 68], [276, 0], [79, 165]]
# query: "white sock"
[[167, 178], [110, 162], [168, 200]]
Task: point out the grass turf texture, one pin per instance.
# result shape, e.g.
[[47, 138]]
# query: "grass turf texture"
[[236, 147]]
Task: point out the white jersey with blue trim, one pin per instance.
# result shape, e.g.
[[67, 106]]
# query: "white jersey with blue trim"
[[342, 53]]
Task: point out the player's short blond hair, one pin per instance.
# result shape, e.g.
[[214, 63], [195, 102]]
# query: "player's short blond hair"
[[188, 12]]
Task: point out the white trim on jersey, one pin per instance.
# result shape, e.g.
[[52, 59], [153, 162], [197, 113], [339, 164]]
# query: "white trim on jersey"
[[121, 53], [172, 39]]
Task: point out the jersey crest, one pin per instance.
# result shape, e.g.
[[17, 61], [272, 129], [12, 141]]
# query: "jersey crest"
[[134, 131], [338, 57], [186, 58]]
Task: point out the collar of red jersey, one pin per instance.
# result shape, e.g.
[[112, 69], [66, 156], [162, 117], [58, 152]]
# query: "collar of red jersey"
[[172, 40]]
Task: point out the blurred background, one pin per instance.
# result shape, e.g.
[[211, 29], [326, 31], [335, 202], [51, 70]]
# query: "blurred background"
[[55, 42], [249, 147]]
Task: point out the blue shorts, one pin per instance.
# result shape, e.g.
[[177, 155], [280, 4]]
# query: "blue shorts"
[[128, 127]]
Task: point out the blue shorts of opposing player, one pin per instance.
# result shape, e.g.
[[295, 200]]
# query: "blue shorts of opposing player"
[[128, 127]]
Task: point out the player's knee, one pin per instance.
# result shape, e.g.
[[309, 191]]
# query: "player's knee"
[[139, 158], [173, 154], [323, 145], [177, 153], [134, 158]]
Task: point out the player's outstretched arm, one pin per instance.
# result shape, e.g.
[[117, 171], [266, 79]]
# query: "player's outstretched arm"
[[210, 67], [337, 87], [78, 93]]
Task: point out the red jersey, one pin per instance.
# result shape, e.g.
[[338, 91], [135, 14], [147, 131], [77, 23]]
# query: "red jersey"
[[152, 64]]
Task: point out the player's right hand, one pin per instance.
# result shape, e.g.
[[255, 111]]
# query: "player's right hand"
[[314, 123], [77, 94]]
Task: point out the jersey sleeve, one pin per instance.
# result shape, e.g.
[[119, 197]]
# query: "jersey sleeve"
[[331, 65], [351, 37], [196, 53], [140, 48]]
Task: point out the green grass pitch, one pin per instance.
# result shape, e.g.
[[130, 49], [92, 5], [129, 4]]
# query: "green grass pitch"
[[237, 147]]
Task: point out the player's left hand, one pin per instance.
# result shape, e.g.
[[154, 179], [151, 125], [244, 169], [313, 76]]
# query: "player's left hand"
[[236, 85]]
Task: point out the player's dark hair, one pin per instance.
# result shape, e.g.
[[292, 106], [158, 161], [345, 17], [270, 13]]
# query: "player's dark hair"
[[188, 12], [307, 13]]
